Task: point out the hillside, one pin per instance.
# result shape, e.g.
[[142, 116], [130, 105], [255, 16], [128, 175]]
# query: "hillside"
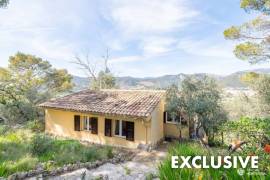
[[162, 82]]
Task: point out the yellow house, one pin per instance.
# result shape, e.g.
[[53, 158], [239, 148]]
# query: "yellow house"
[[127, 118]]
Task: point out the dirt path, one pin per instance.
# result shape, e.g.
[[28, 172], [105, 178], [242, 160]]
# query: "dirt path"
[[142, 165]]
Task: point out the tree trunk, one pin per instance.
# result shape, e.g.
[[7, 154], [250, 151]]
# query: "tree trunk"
[[222, 138]]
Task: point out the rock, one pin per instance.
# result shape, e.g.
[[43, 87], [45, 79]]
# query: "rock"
[[45, 173], [39, 166], [22, 175], [31, 173], [90, 166], [58, 170], [53, 173], [98, 163], [12, 177], [69, 167], [65, 168]]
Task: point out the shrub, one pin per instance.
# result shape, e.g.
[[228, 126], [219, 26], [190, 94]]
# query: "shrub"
[[36, 125], [22, 149], [24, 164], [180, 149], [89, 154], [109, 151], [4, 129], [150, 176], [40, 144]]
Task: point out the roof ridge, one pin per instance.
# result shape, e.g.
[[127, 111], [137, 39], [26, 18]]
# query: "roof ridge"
[[138, 90]]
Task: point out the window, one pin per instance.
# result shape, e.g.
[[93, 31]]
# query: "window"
[[86, 123], [172, 118], [175, 119], [94, 125], [120, 128]]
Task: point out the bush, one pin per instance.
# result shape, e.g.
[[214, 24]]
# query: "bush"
[[109, 152], [41, 144], [89, 154], [4, 129], [36, 125], [22, 150], [70, 151], [24, 164]]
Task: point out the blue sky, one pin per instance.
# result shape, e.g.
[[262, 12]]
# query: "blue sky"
[[145, 37]]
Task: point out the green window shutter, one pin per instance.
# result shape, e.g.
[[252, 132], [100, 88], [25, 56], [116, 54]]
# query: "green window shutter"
[[77, 123]]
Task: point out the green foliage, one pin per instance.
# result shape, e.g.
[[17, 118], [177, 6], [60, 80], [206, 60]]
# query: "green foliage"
[[254, 34], [127, 170], [187, 149], [40, 144], [200, 98], [256, 132], [232, 33], [36, 125], [262, 86], [249, 51], [253, 130], [23, 164], [26, 82], [256, 5], [109, 152], [105, 80], [3, 3], [150, 176], [260, 83], [4, 129], [22, 150], [249, 77], [173, 101]]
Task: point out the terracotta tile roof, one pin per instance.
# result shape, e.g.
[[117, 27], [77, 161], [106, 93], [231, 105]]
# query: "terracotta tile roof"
[[138, 103]]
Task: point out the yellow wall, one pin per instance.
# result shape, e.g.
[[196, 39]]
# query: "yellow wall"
[[171, 130], [61, 123], [157, 131]]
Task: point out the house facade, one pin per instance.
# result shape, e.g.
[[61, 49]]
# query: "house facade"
[[126, 118]]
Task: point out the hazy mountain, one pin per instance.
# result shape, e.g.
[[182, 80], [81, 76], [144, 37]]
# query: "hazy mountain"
[[127, 82]]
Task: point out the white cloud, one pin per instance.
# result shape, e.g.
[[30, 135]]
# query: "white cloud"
[[36, 27], [150, 16], [124, 59], [115, 45], [207, 48], [157, 45], [149, 25]]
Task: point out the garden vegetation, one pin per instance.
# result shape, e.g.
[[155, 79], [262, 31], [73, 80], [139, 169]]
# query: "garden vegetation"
[[22, 149]]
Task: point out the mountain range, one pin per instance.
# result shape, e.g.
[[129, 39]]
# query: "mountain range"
[[162, 82]]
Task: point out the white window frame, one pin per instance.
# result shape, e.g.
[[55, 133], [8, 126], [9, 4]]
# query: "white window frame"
[[120, 129], [86, 119]]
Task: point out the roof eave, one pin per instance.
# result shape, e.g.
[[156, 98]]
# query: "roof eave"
[[97, 113]]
